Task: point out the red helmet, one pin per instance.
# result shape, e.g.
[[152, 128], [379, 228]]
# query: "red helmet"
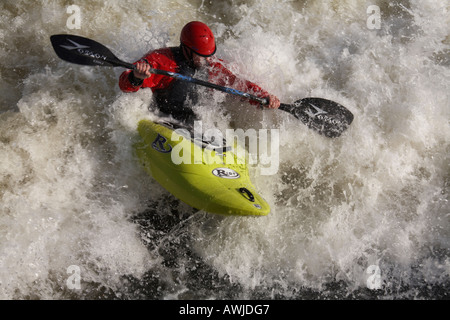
[[198, 37]]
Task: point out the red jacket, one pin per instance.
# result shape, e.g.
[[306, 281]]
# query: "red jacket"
[[164, 59]]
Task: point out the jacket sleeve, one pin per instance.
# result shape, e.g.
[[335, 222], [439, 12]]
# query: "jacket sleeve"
[[158, 59], [224, 77], [129, 83]]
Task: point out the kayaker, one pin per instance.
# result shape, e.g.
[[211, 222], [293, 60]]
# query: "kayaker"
[[196, 52]]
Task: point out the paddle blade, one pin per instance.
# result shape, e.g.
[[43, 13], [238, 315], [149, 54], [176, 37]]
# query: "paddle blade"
[[84, 51], [325, 116]]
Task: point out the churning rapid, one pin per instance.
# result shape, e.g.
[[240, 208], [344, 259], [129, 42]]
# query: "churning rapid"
[[365, 215]]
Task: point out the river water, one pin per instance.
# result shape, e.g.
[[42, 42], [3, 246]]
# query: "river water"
[[363, 216]]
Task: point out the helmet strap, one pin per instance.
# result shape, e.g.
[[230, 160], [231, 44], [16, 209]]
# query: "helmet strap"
[[187, 53]]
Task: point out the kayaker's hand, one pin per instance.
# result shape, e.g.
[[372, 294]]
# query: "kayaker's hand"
[[274, 102], [142, 70]]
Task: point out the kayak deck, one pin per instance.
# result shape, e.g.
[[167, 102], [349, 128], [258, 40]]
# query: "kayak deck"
[[210, 182]]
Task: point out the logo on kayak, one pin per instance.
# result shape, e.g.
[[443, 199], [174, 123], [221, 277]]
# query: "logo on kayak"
[[159, 146], [225, 173]]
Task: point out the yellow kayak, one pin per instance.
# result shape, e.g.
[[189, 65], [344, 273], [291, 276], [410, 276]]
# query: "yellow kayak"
[[215, 180]]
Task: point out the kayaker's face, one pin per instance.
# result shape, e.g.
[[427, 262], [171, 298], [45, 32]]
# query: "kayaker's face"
[[200, 61], [196, 60]]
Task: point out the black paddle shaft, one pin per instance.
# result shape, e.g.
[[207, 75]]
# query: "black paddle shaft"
[[324, 116]]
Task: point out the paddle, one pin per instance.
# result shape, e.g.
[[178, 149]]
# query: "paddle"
[[325, 116]]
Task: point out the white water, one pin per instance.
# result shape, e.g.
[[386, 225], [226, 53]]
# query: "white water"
[[72, 193]]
